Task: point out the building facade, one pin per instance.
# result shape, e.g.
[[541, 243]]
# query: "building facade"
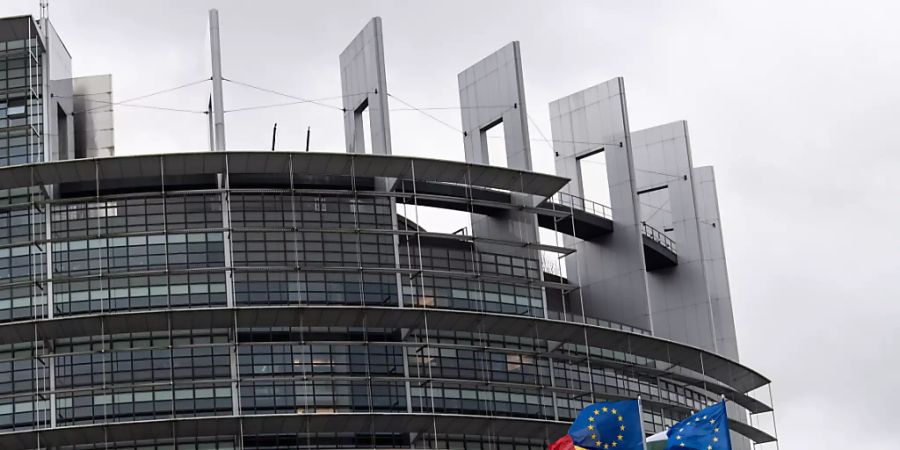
[[284, 300]]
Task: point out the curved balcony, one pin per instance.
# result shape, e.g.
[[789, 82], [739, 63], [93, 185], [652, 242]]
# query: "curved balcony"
[[659, 249], [427, 182], [153, 245], [700, 362], [292, 423]]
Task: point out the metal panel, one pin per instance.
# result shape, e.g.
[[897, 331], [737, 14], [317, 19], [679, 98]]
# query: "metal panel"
[[492, 90], [93, 103], [679, 300], [492, 93], [218, 103], [714, 260], [61, 107], [581, 124], [364, 86]]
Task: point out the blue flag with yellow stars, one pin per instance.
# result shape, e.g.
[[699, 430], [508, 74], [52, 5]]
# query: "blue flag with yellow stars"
[[705, 430], [609, 425]]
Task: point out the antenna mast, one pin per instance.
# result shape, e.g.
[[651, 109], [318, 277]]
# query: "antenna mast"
[[274, 130], [307, 138]]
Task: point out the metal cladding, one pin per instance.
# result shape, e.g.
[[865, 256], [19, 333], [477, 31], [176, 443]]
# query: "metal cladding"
[[714, 263], [217, 103], [492, 93], [584, 123], [666, 187], [269, 300], [364, 86], [94, 122]]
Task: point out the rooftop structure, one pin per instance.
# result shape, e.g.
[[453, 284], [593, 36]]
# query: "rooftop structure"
[[283, 300]]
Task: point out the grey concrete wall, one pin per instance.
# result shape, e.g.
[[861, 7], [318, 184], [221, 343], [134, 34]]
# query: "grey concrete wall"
[[491, 93], [610, 269], [714, 260], [94, 131], [364, 86], [679, 299]]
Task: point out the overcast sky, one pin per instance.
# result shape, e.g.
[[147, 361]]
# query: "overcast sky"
[[796, 104]]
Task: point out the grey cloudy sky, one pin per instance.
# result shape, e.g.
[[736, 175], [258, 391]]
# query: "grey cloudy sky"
[[796, 104]]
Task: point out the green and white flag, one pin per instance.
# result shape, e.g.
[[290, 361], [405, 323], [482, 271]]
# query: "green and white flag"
[[658, 441]]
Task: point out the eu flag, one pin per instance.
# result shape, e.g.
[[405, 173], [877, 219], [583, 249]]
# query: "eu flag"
[[706, 430], [609, 425]]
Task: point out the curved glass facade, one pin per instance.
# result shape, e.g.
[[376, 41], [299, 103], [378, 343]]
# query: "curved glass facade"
[[162, 252]]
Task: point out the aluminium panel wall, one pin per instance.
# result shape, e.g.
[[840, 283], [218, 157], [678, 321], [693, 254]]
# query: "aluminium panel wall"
[[714, 260], [364, 86], [492, 93], [679, 300], [610, 269], [59, 108], [94, 133]]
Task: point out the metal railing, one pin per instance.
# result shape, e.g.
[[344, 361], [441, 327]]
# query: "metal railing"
[[583, 204], [659, 237], [578, 318]]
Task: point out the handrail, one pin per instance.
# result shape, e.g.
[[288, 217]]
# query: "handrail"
[[578, 318], [582, 204], [599, 209], [658, 237]]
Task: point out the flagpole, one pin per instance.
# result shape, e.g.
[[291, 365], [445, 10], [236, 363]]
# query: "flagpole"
[[641, 417], [728, 434]]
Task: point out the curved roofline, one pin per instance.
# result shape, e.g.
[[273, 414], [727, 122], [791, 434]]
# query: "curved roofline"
[[281, 162], [733, 374]]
